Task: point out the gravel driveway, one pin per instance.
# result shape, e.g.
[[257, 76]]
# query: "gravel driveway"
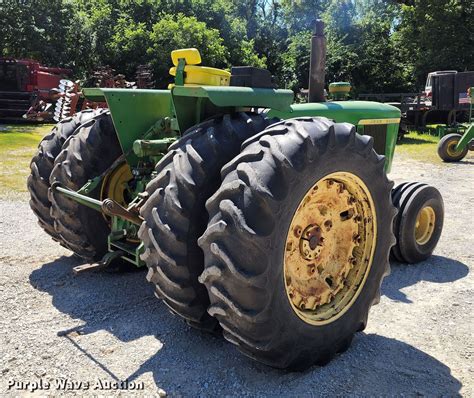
[[106, 327]]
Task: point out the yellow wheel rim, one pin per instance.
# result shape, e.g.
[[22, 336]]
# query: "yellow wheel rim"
[[329, 248], [115, 183], [115, 186], [425, 223], [451, 149]]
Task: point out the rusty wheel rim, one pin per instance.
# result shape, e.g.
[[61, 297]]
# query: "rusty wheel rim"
[[329, 248]]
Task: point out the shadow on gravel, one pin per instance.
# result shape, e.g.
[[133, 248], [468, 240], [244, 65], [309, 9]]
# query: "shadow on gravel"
[[198, 364], [436, 269], [373, 366], [103, 300]]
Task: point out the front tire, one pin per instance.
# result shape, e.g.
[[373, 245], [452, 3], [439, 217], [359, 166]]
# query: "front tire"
[[246, 242], [421, 224], [400, 197]]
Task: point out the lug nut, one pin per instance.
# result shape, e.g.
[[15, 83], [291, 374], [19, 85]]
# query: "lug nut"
[[356, 238], [328, 225]]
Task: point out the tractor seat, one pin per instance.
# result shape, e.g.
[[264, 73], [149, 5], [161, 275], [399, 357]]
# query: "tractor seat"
[[203, 76], [195, 75]]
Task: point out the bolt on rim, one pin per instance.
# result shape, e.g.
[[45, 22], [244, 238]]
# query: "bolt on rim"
[[329, 248], [425, 224]]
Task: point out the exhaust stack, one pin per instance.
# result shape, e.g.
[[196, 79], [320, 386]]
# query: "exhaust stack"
[[317, 63]]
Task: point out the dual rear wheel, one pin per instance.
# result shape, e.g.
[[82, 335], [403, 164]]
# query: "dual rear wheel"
[[293, 246], [77, 150], [277, 233]]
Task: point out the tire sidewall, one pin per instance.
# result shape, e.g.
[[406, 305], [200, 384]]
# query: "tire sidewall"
[[424, 196], [444, 144], [291, 325]]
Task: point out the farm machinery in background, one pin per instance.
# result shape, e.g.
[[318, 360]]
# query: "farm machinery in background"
[[35, 93], [455, 145], [70, 99], [268, 220], [25, 85], [440, 109]]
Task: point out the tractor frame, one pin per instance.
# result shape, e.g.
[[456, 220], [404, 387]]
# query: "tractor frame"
[[147, 122]]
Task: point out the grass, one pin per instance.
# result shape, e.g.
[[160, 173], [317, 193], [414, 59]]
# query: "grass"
[[18, 144], [419, 146]]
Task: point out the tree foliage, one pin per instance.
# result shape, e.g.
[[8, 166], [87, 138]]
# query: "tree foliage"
[[377, 45], [436, 35]]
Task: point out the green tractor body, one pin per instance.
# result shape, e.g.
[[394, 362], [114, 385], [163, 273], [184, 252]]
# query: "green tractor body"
[[166, 114], [250, 211], [147, 122]]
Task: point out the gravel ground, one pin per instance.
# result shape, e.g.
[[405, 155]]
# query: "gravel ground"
[[105, 327]]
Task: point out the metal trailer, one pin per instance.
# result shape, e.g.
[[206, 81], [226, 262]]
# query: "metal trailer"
[[445, 103]]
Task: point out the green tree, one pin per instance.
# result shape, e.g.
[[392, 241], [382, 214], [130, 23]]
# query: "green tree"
[[299, 15], [378, 45], [128, 46], [435, 35], [178, 31], [38, 29], [295, 70]]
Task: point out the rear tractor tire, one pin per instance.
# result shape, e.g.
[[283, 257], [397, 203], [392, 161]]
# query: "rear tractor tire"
[[175, 214], [42, 165], [298, 242], [419, 222], [447, 151], [89, 153]]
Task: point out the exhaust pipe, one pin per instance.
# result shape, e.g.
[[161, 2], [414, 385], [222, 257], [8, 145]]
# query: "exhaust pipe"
[[317, 63]]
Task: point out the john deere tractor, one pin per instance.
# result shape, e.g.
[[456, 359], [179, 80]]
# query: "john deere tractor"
[[268, 220]]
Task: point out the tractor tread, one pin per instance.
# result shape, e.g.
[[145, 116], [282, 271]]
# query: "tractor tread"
[[42, 165], [175, 214], [242, 238], [87, 154]]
